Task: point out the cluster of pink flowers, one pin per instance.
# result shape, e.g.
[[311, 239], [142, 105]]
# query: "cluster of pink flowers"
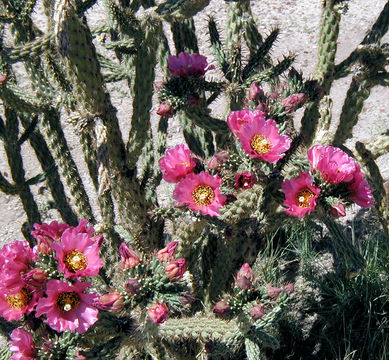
[[259, 136], [334, 167], [199, 192], [174, 270], [25, 287]]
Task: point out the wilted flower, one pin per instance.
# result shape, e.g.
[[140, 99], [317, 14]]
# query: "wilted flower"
[[22, 345], [132, 286], [165, 110], [158, 312], [300, 195], [111, 301], [129, 258], [338, 210], [217, 160], [188, 65], [167, 252], [293, 102], [176, 269], [245, 180], [186, 299], [177, 163], [257, 312], [245, 277], [201, 192], [35, 278]]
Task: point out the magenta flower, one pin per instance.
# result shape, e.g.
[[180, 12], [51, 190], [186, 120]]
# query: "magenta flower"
[[66, 306], [14, 304], [261, 139], [22, 345], [77, 255], [176, 269], [129, 258], [188, 65], [245, 180], [158, 312], [201, 192], [334, 164], [360, 191], [300, 195], [236, 119], [47, 234], [245, 277], [167, 252], [177, 163]]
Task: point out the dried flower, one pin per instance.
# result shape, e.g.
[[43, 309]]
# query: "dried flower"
[[132, 286], [167, 253]]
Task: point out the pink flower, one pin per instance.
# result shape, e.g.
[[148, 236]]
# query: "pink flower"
[[255, 92], [77, 255], [257, 312], [176, 269], [360, 191], [167, 252], [300, 195], [217, 160], [35, 278], [22, 345], [177, 163], [165, 109], [66, 306], [129, 258], [158, 312], [333, 163], [260, 139], [110, 301], [83, 228], [245, 180], [245, 277], [337, 210], [188, 65], [201, 193], [236, 119], [14, 304], [293, 102], [47, 234]]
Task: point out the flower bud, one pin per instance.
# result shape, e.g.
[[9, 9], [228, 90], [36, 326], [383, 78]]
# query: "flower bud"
[[257, 312], [165, 109], [245, 277], [35, 278], [110, 301], [3, 79], [217, 160], [129, 258], [221, 308], [186, 299], [132, 286], [337, 210], [289, 288], [175, 269], [245, 180], [167, 252], [255, 92], [158, 313], [273, 292], [291, 103], [264, 107]]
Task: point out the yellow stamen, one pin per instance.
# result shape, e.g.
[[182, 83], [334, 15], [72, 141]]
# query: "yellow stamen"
[[303, 197], [19, 300], [203, 195], [260, 144], [67, 301], [186, 164], [75, 260]]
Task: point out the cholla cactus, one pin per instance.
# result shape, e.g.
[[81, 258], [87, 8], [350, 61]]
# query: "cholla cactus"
[[136, 278]]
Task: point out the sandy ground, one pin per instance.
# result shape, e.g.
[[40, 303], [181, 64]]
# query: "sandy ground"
[[299, 24]]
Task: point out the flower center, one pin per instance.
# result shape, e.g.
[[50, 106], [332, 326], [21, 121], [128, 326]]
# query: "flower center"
[[19, 300], [203, 195], [75, 260], [303, 197], [186, 164], [67, 301], [260, 144]]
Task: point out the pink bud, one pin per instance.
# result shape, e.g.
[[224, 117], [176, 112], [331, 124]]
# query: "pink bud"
[[158, 313], [273, 292], [129, 258], [264, 107], [110, 301], [289, 288], [167, 252], [221, 308], [245, 180], [217, 160], [257, 312], [255, 92], [3, 79], [165, 109], [245, 277], [132, 286], [291, 103], [175, 269], [337, 210], [186, 299], [35, 278]]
